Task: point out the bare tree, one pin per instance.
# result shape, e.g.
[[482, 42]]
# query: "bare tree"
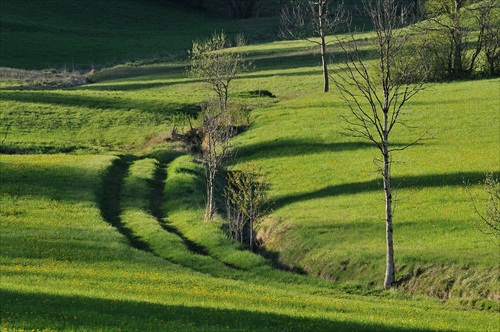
[[215, 150], [246, 202], [306, 19], [448, 17], [487, 21], [214, 64], [466, 37], [377, 95], [490, 214]]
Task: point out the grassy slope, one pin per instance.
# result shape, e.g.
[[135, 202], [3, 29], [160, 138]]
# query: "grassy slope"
[[44, 34], [65, 268], [315, 188], [324, 206], [100, 116], [328, 197]]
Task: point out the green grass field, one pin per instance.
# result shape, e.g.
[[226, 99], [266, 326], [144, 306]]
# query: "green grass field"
[[65, 268], [101, 218]]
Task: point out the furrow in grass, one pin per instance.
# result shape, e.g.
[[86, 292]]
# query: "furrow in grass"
[[109, 202], [148, 224], [184, 206], [157, 200]]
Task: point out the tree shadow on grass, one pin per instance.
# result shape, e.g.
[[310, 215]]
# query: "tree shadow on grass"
[[300, 59], [47, 311], [423, 181], [94, 102], [109, 199], [295, 147]]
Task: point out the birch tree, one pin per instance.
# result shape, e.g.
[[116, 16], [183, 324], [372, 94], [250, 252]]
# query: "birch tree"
[[307, 19], [376, 93]]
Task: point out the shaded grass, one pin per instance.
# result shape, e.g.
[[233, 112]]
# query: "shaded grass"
[[67, 33]]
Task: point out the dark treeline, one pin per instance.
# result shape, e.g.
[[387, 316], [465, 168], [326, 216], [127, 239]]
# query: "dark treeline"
[[256, 8], [233, 8]]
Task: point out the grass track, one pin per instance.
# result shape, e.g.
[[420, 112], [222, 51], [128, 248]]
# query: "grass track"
[[107, 285]]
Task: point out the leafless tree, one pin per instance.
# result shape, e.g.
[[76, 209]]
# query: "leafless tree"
[[215, 150], [466, 37], [486, 16], [489, 214], [214, 64], [246, 202], [307, 19], [376, 96]]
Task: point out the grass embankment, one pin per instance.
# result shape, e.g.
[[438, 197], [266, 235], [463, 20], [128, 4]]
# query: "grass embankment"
[[65, 268], [328, 199]]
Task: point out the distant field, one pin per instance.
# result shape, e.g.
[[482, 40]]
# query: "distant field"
[[47, 34]]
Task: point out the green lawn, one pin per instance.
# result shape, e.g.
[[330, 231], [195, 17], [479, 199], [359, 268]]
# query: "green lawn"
[[328, 197]]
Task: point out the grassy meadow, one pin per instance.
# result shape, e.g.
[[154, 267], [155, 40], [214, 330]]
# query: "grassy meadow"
[[65, 268], [101, 216]]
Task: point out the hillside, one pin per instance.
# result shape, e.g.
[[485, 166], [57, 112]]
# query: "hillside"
[[102, 215], [56, 34]]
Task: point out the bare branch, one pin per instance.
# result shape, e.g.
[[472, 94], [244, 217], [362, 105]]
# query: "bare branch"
[[376, 102]]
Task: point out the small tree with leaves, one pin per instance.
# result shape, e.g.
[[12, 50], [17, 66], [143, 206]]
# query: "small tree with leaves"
[[376, 95], [306, 19], [212, 62]]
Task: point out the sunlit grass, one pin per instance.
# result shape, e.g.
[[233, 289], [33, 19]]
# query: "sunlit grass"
[[329, 196], [64, 267], [79, 273]]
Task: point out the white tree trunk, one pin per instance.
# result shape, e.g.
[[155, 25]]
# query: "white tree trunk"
[[389, 270], [210, 207]]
